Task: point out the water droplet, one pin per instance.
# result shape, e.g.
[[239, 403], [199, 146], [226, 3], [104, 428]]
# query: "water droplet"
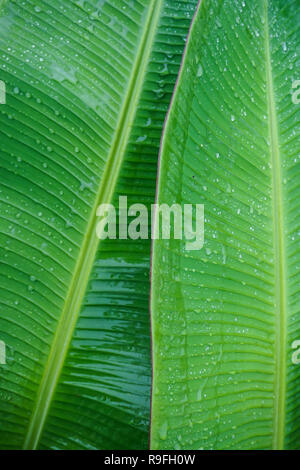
[[163, 431], [200, 71]]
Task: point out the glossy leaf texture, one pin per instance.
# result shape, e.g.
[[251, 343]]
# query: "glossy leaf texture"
[[88, 84], [226, 318]]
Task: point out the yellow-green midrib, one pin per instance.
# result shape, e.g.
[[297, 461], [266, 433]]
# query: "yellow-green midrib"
[[279, 250]]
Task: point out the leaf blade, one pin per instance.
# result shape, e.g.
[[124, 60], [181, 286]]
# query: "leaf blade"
[[217, 135], [88, 53]]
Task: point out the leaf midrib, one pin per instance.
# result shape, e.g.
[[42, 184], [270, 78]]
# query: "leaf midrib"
[[84, 265], [280, 269]]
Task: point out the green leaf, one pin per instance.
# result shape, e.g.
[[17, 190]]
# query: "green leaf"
[[226, 318], [88, 84]]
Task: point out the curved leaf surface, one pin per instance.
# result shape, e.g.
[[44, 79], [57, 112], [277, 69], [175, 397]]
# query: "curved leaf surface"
[[88, 83], [226, 321]]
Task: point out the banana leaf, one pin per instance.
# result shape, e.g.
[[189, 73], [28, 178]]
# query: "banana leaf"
[[88, 83], [226, 318]]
